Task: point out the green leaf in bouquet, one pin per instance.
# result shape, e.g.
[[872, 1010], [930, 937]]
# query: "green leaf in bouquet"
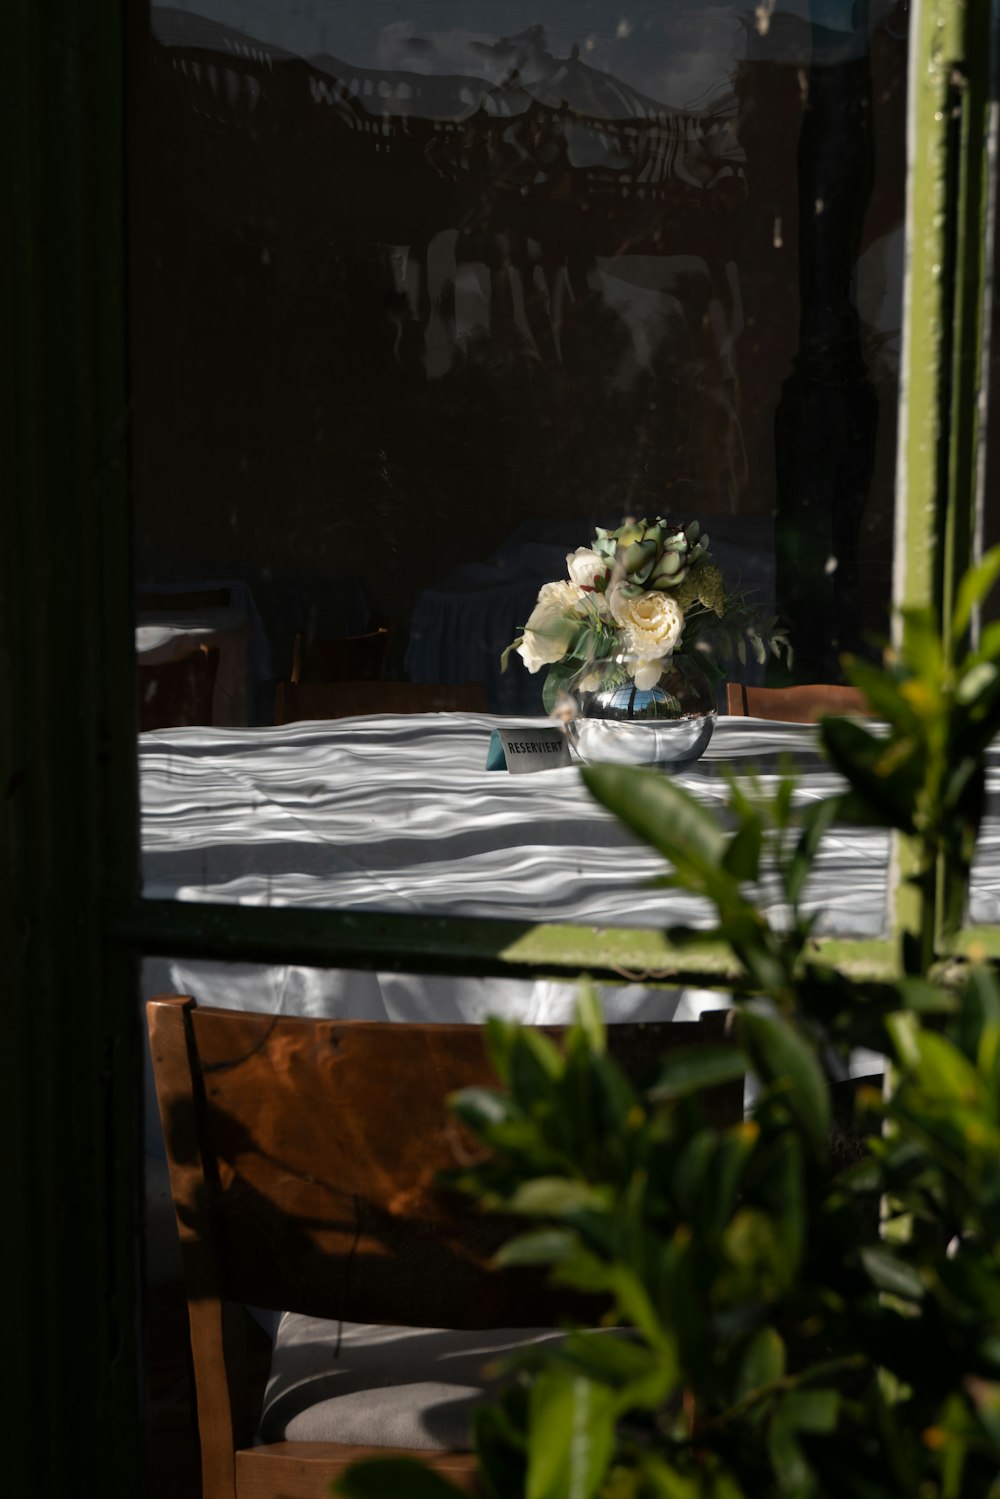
[[557, 680], [506, 655], [391, 1478], [783, 1060], [691, 1069], [571, 1436]]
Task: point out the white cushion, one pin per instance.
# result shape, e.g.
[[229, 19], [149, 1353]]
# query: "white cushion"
[[380, 1386]]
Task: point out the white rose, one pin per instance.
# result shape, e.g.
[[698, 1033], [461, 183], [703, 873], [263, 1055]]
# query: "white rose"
[[653, 622], [551, 625], [583, 566]]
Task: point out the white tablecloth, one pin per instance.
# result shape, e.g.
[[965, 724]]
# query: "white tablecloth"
[[398, 813]]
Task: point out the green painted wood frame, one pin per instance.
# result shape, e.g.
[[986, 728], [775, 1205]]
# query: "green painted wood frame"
[[72, 923]]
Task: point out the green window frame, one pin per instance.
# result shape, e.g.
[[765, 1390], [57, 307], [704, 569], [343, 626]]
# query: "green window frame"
[[73, 923]]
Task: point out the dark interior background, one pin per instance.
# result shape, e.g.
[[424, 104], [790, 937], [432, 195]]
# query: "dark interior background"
[[385, 315]]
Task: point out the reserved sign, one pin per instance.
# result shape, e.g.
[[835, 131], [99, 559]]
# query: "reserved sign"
[[521, 750]]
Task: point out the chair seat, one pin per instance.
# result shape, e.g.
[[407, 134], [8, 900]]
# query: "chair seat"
[[365, 1386]]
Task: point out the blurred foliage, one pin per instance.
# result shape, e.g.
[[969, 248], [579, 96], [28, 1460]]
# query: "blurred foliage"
[[804, 1304]]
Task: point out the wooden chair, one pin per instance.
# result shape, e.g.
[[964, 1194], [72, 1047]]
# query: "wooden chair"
[[349, 659], [173, 694], [203, 598], [805, 704], [304, 1158], [346, 699]]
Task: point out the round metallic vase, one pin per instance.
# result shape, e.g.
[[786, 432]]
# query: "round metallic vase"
[[609, 719]]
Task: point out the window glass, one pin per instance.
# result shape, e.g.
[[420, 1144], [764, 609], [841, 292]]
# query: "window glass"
[[422, 294]]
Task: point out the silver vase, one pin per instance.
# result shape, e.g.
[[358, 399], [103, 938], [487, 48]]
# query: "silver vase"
[[608, 718]]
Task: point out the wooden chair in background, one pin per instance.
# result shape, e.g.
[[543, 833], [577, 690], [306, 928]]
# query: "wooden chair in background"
[[805, 704], [346, 699], [351, 658], [304, 1160], [174, 694]]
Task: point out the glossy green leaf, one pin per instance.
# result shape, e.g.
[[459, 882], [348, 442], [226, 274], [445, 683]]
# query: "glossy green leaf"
[[782, 1058], [979, 1013], [763, 1362], [811, 1410], [692, 1069], [661, 812], [742, 856], [547, 1246], [588, 1018], [889, 1273], [572, 1436], [555, 1196], [944, 1072], [816, 823], [974, 589], [889, 790], [792, 1472]]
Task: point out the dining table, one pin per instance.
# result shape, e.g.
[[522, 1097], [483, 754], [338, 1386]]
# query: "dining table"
[[398, 813]]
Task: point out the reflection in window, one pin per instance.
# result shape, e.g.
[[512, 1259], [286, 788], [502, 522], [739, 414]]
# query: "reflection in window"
[[423, 293]]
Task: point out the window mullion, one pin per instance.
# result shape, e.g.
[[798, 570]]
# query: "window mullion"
[[943, 377]]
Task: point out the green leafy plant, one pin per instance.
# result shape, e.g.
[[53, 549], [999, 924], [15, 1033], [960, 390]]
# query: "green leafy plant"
[[803, 1304]]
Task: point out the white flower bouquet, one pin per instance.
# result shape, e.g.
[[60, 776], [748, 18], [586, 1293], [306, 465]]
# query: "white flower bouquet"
[[638, 594]]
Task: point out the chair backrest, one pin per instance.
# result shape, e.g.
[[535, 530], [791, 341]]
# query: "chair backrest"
[[173, 694], [351, 658], [200, 598], [303, 1159], [805, 704], [320, 700]]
